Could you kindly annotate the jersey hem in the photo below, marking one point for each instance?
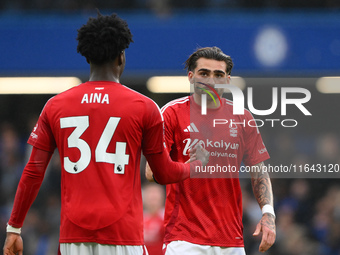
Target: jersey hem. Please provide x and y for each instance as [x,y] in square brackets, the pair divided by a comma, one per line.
[204,243]
[100,241]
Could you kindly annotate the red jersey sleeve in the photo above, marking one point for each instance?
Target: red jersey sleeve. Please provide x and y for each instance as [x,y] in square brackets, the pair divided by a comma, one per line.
[164,169]
[42,136]
[153,129]
[29,185]
[168,128]
[255,150]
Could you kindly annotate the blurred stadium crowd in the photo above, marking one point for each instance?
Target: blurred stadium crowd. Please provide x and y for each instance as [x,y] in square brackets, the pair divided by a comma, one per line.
[308,210]
[161,6]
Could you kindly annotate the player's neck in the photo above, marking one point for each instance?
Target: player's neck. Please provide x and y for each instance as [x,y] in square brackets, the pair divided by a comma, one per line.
[104,73]
[100,77]
[210,103]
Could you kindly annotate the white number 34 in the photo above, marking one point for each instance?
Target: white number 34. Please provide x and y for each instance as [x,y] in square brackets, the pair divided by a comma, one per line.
[120,159]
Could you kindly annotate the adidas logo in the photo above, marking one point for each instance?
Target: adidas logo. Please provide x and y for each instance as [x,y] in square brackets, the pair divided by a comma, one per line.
[191,128]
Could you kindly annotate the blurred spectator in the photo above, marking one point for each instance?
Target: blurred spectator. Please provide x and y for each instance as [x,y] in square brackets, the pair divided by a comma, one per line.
[153,200]
[284,148]
[299,201]
[327,148]
[251,216]
[10,161]
[161,7]
[326,223]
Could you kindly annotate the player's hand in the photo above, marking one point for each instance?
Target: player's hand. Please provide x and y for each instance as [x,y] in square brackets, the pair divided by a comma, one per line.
[199,153]
[267,227]
[148,173]
[13,244]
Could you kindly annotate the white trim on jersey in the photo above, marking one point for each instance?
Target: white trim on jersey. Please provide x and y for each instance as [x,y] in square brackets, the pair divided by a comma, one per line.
[227,101]
[181,100]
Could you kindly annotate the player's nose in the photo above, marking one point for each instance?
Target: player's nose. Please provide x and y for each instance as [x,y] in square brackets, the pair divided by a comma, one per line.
[210,81]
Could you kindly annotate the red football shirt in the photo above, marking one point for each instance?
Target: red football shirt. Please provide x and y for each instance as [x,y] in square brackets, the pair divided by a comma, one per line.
[207,208]
[100,129]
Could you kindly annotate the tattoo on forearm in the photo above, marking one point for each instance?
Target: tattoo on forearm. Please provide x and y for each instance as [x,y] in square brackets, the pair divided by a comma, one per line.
[262,186]
[269,222]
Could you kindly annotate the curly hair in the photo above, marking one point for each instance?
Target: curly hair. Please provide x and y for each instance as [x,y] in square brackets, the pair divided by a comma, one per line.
[102,39]
[209,53]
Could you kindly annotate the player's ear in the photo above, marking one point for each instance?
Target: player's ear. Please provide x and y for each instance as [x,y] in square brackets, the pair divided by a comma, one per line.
[228,79]
[191,77]
[121,58]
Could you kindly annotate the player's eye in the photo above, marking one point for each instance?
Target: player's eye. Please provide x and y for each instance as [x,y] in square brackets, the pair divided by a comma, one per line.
[219,75]
[206,74]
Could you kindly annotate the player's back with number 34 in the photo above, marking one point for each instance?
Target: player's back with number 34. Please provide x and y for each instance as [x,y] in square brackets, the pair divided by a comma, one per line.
[100,128]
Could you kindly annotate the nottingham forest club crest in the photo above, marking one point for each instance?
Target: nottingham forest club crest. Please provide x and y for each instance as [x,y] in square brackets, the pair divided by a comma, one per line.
[233,130]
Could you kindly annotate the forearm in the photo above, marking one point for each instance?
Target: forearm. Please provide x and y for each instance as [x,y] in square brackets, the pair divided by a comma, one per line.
[261,184]
[166,171]
[262,189]
[29,185]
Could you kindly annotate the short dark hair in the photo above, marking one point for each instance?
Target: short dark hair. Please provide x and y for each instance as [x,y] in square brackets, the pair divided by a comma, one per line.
[209,53]
[102,39]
